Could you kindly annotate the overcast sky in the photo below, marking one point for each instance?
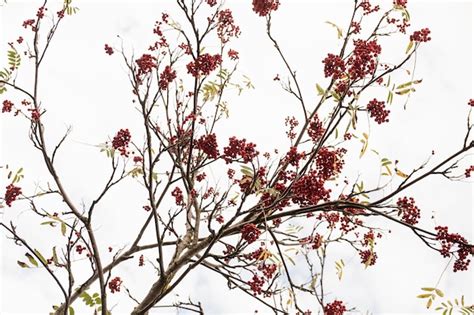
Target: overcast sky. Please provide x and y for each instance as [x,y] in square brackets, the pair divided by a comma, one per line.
[87,89]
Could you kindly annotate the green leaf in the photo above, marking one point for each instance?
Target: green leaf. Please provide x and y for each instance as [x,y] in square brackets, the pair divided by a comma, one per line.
[44,261]
[31,259]
[63,228]
[339,30]
[439,292]
[424,296]
[22,264]
[55,256]
[71,310]
[410,46]
[320,90]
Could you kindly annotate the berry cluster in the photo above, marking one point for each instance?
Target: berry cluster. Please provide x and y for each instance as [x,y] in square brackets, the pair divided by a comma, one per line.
[233,54]
[31,23]
[368,8]
[335,308]
[80,249]
[329,163]
[121,141]
[178,196]
[204,64]
[250,233]
[11,194]
[377,111]
[315,129]
[368,257]
[409,211]
[309,189]
[208,145]
[293,157]
[400,3]
[7,106]
[226,29]
[363,60]
[468,171]
[448,240]
[471,102]
[421,35]
[264,7]
[108,50]
[355,28]
[256,284]
[211,3]
[333,66]
[240,148]
[146,63]
[166,77]
[268,270]
[114,284]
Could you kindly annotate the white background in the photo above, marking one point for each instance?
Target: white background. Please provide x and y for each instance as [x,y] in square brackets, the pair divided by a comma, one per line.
[83,87]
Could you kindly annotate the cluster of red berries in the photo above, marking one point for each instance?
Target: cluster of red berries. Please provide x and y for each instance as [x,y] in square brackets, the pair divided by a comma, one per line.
[166,77]
[335,308]
[309,189]
[368,257]
[401,3]
[204,64]
[409,211]
[448,240]
[208,145]
[233,54]
[226,29]
[292,123]
[317,241]
[329,163]
[421,35]
[7,106]
[80,249]
[250,233]
[178,196]
[363,60]
[146,63]
[31,23]
[334,66]
[40,12]
[268,270]
[121,141]
[264,7]
[211,3]
[114,284]
[108,50]
[377,111]
[368,8]
[469,170]
[256,284]
[240,148]
[11,193]
[471,102]
[355,28]
[293,157]
[315,129]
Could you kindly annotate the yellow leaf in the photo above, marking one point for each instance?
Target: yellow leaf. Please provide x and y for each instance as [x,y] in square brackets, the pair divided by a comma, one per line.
[424,296]
[428,304]
[439,292]
[401,174]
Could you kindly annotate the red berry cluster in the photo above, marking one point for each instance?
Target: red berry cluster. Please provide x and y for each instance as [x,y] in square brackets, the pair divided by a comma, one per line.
[317,241]
[256,284]
[448,240]
[166,77]
[114,284]
[7,106]
[108,50]
[469,170]
[367,7]
[335,308]
[211,3]
[208,145]
[292,123]
[421,35]
[363,60]
[409,211]
[178,196]
[333,66]
[250,233]
[80,249]
[226,29]
[233,54]
[355,27]
[40,12]
[309,189]
[315,129]
[377,111]
[264,7]
[146,63]
[11,194]
[329,163]
[204,64]
[268,270]
[471,102]
[293,157]
[401,3]
[121,141]
[137,159]
[29,22]
[240,148]
[368,257]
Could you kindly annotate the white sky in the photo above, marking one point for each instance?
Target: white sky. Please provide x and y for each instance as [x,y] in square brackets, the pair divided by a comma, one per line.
[85,88]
